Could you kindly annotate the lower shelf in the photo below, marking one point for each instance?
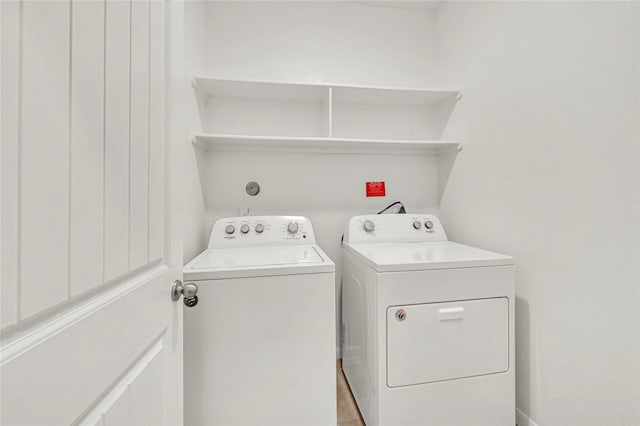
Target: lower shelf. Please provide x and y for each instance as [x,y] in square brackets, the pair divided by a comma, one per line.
[322,144]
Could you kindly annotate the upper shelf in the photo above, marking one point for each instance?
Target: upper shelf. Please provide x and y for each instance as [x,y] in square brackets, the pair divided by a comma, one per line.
[245,143]
[323,116]
[259,90]
[372,95]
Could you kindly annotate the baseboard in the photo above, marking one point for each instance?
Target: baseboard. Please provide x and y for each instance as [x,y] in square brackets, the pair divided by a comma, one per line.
[523,420]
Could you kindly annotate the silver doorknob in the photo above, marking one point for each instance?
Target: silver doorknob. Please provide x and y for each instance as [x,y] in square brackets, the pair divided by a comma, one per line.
[188,290]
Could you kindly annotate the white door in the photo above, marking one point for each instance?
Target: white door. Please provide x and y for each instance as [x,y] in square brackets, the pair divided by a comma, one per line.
[91,239]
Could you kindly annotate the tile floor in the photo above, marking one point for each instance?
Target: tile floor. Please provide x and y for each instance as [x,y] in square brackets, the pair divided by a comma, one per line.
[348,414]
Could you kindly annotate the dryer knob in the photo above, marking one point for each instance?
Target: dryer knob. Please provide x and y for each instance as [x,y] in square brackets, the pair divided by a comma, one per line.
[417,224]
[368,226]
[292,228]
[428,224]
[244,228]
[259,228]
[230,229]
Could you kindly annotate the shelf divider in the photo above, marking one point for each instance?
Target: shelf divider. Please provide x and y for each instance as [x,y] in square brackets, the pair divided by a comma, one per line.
[329,111]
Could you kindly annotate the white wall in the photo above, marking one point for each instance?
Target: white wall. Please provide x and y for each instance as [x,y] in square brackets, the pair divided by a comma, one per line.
[549,174]
[336,42]
[195,58]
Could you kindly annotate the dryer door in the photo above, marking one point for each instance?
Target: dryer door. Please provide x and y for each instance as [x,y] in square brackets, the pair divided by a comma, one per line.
[444,341]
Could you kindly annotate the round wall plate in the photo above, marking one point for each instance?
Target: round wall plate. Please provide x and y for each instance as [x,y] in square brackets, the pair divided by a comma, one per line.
[253,188]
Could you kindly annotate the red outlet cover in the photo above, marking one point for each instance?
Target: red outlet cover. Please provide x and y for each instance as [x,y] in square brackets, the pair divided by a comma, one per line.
[375,189]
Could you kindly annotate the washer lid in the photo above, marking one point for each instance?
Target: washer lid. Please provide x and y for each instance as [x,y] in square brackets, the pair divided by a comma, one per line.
[393,257]
[257,261]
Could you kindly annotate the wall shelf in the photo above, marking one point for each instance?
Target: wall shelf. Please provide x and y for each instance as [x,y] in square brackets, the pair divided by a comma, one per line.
[319,117]
[369,122]
[246,143]
[263,89]
[267,90]
[318,110]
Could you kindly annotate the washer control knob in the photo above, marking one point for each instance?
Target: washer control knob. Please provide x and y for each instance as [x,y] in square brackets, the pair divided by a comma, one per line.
[428,224]
[259,228]
[368,226]
[230,229]
[417,224]
[292,227]
[244,228]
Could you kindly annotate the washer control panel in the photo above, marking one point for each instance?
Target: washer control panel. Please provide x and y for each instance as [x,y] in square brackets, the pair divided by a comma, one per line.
[247,231]
[394,228]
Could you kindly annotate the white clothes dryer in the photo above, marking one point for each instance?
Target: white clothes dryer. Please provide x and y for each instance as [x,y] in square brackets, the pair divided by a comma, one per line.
[428,325]
[259,347]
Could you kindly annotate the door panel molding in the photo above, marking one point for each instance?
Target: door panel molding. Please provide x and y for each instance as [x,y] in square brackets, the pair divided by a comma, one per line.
[24,340]
[84,163]
[10,41]
[102,338]
[107,403]
[44,156]
[86,147]
[139,136]
[116,138]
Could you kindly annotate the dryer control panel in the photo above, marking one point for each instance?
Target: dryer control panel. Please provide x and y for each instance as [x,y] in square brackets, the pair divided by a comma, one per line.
[394,228]
[256,231]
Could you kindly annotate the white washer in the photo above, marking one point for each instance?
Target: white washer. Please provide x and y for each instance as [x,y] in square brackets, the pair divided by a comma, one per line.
[428,325]
[260,344]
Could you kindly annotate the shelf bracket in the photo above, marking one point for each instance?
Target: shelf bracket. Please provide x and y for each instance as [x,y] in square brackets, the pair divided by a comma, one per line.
[459,96]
